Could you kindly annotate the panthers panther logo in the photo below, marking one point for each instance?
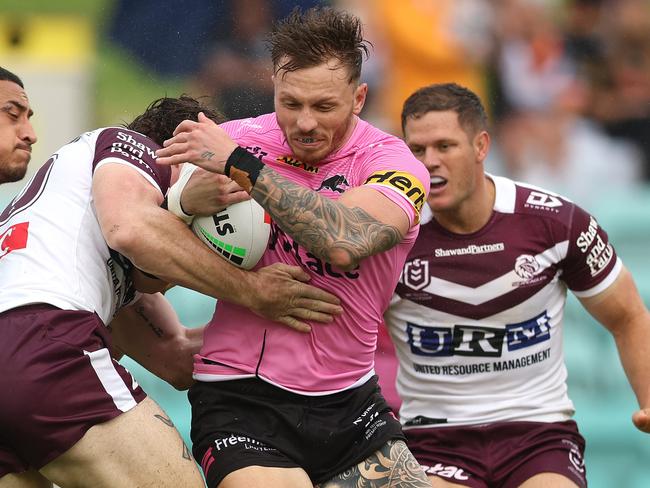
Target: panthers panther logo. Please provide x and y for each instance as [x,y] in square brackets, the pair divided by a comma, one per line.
[334,183]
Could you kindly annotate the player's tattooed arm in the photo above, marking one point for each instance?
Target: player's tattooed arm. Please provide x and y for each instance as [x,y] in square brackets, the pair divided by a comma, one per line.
[140,310]
[391,466]
[321,225]
[150,332]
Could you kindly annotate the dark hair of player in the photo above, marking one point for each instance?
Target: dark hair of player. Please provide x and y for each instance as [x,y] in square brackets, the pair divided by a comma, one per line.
[309,38]
[447,97]
[6,75]
[161,117]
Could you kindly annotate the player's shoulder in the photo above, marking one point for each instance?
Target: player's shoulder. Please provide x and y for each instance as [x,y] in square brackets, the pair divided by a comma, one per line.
[519,198]
[117,135]
[83,144]
[375,148]
[88,137]
[367,137]
[126,146]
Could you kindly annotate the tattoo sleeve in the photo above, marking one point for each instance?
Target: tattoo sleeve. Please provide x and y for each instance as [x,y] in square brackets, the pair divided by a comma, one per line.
[392,466]
[322,226]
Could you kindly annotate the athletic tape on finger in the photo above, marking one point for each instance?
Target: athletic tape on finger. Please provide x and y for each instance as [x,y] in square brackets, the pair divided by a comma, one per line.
[174,193]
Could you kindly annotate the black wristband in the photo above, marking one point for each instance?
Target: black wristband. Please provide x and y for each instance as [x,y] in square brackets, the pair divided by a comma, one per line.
[242,164]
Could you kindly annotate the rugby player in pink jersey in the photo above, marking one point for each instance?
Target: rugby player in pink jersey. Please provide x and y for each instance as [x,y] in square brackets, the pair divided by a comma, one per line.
[477,315]
[78,245]
[278,409]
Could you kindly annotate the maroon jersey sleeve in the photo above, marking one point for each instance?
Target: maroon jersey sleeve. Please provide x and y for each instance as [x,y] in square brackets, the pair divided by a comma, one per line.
[135,149]
[590,256]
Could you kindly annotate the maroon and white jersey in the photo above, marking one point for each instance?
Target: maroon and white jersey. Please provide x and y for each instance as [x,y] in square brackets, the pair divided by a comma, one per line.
[51,246]
[477,319]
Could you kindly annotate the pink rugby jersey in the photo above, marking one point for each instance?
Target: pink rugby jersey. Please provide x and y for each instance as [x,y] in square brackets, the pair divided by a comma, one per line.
[338,355]
[477,319]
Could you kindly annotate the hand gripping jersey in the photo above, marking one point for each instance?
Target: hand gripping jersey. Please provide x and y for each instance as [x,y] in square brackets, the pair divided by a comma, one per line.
[477,319]
[51,246]
[338,355]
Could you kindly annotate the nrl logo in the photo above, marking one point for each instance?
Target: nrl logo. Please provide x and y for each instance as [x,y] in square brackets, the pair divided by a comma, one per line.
[416,274]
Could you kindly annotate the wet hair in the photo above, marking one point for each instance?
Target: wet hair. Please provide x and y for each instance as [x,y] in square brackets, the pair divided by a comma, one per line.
[161,117]
[309,38]
[447,97]
[6,75]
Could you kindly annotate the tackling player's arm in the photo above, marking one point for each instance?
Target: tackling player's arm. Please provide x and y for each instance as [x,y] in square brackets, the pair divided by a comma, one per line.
[133,224]
[150,332]
[361,223]
[622,311]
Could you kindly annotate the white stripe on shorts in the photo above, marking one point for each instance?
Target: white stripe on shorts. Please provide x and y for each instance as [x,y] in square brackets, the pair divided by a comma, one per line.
[113,383]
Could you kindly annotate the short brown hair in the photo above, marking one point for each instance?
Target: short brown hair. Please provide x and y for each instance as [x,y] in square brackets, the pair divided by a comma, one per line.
[161,117]
[443,97]
[316,35]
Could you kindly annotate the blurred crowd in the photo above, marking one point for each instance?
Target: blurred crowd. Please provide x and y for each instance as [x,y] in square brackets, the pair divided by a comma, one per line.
[567,81]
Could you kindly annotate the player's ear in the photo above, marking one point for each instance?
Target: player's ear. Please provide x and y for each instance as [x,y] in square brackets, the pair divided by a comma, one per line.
[482,145]
[360,93]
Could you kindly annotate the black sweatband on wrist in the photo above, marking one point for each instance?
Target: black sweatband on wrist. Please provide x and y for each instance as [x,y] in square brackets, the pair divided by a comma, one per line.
[243,167]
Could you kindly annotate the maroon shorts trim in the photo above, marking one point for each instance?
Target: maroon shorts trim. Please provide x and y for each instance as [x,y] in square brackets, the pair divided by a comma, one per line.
[502,454]
[57,381]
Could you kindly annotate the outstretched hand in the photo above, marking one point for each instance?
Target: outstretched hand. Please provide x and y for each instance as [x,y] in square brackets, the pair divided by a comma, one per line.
[283,295]
[641,419]
[203,143]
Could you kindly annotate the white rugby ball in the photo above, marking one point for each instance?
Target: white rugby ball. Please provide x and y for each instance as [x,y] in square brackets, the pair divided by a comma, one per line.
[239,233]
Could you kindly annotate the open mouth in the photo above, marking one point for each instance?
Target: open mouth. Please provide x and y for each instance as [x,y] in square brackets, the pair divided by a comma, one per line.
[437,182]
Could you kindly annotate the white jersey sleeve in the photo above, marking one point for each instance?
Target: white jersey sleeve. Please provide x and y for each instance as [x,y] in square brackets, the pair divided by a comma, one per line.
[51,246]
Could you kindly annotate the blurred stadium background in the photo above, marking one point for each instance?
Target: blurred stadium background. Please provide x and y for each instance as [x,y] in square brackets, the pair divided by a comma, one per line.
[567,83]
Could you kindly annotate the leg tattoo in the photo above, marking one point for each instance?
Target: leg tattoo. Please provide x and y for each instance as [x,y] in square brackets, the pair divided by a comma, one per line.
[168,422]
[392,466]
[186,452]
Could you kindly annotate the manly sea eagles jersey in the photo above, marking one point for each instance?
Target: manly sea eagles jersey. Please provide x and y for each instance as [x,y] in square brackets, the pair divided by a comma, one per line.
[477,319]
[51,246]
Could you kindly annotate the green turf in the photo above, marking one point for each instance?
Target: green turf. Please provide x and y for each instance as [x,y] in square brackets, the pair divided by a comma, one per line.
[95,9]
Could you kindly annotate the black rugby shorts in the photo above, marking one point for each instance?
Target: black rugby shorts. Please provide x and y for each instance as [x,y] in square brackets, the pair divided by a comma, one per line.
[250,422]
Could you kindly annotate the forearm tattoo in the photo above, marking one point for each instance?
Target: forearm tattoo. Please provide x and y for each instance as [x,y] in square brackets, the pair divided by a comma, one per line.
[392,466]
[156,330]
[319,224]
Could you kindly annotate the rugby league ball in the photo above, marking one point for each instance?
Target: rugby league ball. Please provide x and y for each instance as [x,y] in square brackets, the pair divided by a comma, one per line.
[239,233]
